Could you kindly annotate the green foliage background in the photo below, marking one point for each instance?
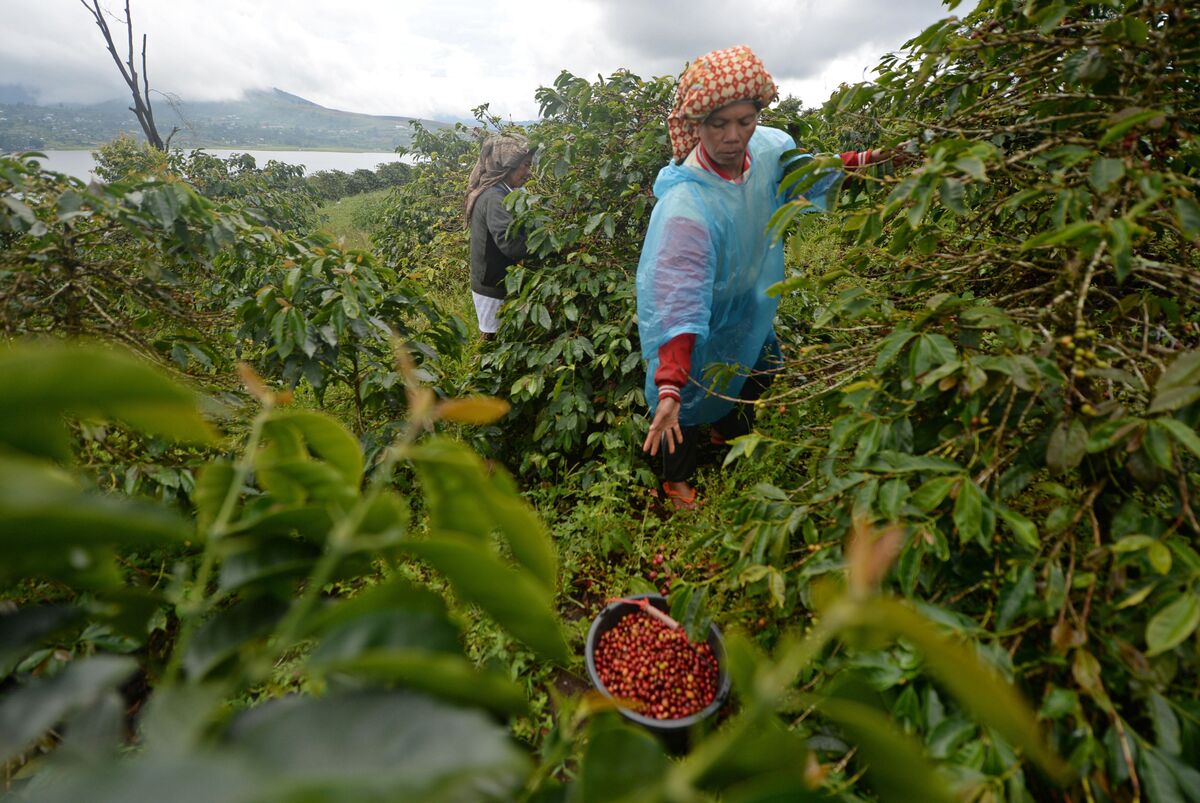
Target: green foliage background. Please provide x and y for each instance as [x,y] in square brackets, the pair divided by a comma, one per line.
[959,553]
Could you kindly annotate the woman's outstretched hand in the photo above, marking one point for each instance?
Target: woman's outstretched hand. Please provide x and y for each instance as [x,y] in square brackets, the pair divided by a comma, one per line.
[665,424]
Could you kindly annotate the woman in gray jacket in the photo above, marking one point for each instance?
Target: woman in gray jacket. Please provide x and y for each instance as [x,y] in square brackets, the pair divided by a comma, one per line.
[503,166]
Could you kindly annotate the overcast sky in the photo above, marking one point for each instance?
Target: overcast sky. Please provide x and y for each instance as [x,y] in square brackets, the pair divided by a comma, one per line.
[440,58]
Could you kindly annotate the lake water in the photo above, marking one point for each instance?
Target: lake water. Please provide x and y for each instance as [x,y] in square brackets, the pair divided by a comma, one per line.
[81,164]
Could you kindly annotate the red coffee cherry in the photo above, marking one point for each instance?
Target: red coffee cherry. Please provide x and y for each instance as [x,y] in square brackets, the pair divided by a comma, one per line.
[655,666]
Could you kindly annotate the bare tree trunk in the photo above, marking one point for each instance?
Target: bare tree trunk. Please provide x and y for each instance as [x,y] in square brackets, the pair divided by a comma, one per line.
[141,107]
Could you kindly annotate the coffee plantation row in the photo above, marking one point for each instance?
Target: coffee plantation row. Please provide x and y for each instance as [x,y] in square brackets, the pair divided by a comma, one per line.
[276,527]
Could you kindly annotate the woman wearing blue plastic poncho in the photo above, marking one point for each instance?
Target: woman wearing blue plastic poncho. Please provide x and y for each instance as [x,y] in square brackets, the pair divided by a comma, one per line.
[708,260]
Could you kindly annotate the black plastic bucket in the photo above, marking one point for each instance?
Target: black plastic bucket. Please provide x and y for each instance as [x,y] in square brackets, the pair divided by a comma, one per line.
[674,732]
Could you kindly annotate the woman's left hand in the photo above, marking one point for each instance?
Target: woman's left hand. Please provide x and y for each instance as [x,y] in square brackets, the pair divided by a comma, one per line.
[665,425]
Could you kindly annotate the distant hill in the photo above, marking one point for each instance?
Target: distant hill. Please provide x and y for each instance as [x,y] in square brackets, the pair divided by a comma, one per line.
[260,119]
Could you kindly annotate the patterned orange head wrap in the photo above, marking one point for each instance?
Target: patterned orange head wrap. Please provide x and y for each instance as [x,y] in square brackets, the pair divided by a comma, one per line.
[711,82]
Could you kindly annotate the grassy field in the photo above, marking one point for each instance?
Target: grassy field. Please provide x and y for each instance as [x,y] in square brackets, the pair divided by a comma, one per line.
[350,218]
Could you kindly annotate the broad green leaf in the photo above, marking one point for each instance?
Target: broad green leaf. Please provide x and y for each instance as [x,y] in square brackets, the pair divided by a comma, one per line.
[1179,385]
[1067,446]
[373,745]
[1166,724]
[931,492]
[973,167]
[40,383]
[891,346]
[24,629]
[462,498]
[212,487]
[177,716]
[28,712]
[895,763]
[1105,172]
[1060,236]
[953,195]
[1132,543]
[1188,212]
[1022,527]
[753,744]
[227,632]
[325,438]
[1124,121]
[987,697]
[1014,597]
[1181,432]
[619,761]
[513,598]
[443,675]
[1173,624]
[1159,557]
[781,787]
[261,560]
[968,512]
[49,529]
[1157,779]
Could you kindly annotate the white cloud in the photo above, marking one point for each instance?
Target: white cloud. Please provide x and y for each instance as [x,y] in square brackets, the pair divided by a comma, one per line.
[436,58]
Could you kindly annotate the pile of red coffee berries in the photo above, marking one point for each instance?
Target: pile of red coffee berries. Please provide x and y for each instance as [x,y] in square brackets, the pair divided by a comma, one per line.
[645,660]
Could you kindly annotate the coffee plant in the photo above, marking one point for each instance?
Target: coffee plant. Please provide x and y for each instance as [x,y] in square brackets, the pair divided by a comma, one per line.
[1007,359]
[373,697]
[567,353]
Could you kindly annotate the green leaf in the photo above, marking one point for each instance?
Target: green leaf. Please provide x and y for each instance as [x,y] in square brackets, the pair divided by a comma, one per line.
[973,167]
[260,561]
[968,512]
[224,635]
[1157,778]
[26,713]
[1173,624]
[753,744]
[1106,172]
[895,763]
[1166,724]
[1059,236]
[891,346]
[463,498]
[1132,543]
[448,677]
[1121,122]
[931,493]
[212,487]
[68,535]
[1179,385]
[620,761]
[1048,18]
[1160,557]
[987,697]
[326,439]
[39,384]
[1022,527]
[24,629]
[1067,446]
[374,745]
[1181,432]
[1188,212]
[518,603]
[953,195]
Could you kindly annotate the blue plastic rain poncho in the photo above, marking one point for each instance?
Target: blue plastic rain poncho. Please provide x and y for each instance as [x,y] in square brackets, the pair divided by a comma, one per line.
[706,264]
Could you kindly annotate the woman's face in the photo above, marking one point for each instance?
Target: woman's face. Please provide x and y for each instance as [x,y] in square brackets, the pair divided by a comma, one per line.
[726,132]
[520,174]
